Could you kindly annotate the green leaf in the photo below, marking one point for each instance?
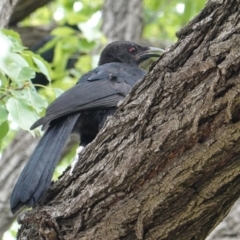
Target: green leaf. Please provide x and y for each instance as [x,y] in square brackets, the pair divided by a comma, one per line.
[21,112]
[17,45]
[76,18]
[26,73]
[42,67]
[3,114]
[86,45]
[37,102]
[16,67]
[17,59]
[59,60]
[4,79]
[48,45]
[32,98]
[63,31]
[37,63]
[14,37]
[11,33]
[23,94]
[3,129]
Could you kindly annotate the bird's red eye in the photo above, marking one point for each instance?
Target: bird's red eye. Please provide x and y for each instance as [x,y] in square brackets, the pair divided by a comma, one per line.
[132,50]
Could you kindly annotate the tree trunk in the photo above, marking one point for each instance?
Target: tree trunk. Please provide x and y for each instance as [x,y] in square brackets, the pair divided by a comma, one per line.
[167,164]
[123,20]
[229,228]
[18,152]
[6,9]
[10,167]
[14,11]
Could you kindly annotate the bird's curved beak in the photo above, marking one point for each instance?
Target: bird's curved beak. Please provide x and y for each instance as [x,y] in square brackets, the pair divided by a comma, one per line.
[147,53]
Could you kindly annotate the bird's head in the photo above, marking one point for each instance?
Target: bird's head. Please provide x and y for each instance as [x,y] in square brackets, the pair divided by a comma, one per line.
[127,52]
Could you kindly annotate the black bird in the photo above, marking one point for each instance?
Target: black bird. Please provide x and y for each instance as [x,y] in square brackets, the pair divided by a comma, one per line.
[82,109]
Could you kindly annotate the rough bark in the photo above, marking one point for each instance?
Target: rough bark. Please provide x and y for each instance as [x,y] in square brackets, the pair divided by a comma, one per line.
[229,228]
[18,157]
[167,164]
[123,20]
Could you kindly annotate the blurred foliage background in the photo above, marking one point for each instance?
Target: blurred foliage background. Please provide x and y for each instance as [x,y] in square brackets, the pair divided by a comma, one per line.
[73,49]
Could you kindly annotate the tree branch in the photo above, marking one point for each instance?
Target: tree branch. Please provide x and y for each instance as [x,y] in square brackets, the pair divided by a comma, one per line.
[6,9]
[17,159]
[123,20]
[167,164]
[229,228]
[10,164]
[24,8]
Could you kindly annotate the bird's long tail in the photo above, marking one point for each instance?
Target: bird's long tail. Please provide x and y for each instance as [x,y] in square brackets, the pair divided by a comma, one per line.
[36,176]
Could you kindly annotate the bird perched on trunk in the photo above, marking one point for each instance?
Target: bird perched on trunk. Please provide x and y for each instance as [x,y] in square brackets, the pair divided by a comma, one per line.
[82,109]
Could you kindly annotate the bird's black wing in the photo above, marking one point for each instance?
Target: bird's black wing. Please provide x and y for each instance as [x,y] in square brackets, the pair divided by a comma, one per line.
[36,176]
[101,88]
